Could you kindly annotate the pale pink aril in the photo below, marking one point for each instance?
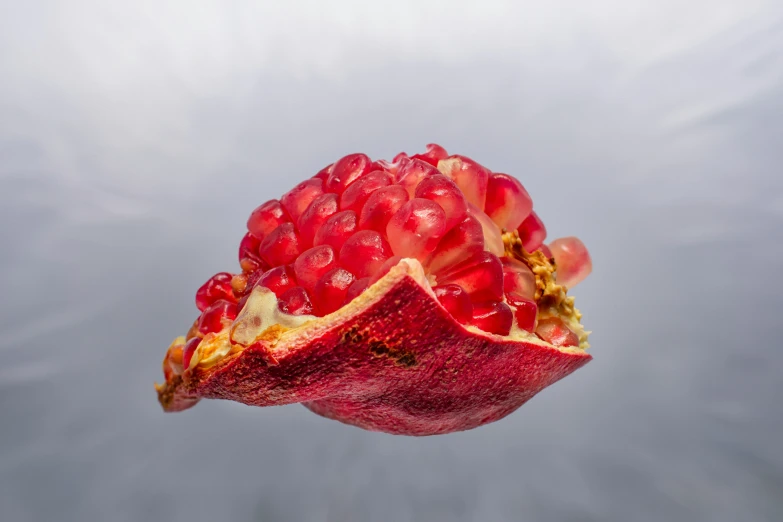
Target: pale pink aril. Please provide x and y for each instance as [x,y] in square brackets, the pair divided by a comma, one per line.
[554,331]
[493,238]
[469,176]
[572,261]
[508,203]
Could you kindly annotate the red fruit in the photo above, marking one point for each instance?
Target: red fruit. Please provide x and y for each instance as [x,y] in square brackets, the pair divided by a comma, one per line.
[508,203]
[397,359]
[546,251]
[217,287]
[493,317]
[532,232]
[456,301]
[554,331]
[572,260]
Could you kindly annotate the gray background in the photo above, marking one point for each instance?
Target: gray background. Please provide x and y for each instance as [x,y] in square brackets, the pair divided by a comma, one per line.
[136,137]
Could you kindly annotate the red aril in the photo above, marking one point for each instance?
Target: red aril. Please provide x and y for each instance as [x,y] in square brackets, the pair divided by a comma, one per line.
[267,217]
[217,287]
[462,242]
[416,228]
[356,289]
[357,194]
[336,230]
[347,170]
[381,206]
[412,173]
[295,301]
[493,238]
[312,219]
[518,279]
[526,311]
[248,253]
[470,177]
[532,232]
[554,331]
[572,261]
[279,279]
[282,246]
[447,195]
[456,301]
[434,154]
[324,172]
[313,264]
[364,252]
[493,317]
[299,198]
[217,316]
[330,291]
[508,203]
[188,350]
[480,276]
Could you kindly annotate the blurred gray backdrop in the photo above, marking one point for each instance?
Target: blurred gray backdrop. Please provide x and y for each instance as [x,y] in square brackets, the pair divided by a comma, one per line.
[136,137]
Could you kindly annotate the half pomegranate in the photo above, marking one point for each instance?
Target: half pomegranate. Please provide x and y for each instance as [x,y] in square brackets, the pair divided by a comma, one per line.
[413,296]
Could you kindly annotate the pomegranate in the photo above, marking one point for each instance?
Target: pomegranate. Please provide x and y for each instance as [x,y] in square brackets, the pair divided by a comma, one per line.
[414,296]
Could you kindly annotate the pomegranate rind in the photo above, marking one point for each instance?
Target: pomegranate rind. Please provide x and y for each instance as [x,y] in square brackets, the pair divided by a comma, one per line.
[371,364]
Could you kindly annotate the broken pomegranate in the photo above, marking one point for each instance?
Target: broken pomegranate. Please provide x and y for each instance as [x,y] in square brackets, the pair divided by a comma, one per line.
[414,296]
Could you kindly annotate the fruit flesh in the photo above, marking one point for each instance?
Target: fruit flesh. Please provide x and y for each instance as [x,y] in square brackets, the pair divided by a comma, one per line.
[331,240]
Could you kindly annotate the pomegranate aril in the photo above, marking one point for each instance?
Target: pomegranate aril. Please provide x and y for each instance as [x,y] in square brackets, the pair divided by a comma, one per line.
[217,316]
[460,243]
[526,311]
[493,238]
[456,301]
[469,176]
[444,192]
[295,301]
[282,246]
[381,206]
[312,264]
[364,253]
[312,219]
[412,173]
[188,350]
[356,195]
[279,279]
[251,280]
[572,261]
[336,230]
[508,203]
[493,317]
[434,154]
[546,251]
[323,173]
[217,287]
[330,291]
[356,288]
[416,228]
[296,200]
[249,259]
[385,268]
[481,277]
[347,170]
[532,232]
[518,279]
[267,217]
[554,331]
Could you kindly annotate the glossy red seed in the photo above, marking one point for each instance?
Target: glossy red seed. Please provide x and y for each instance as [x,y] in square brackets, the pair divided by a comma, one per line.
[188,350]
[526,311]
[267,217]
[480,276]
[356,288]
[434,154]
[249,259]
[323,173]
[381,206]
[217,287]
[217,316]
[532,232]
[252,280]
[282,246]
[347,170]
[385,267]
[312,219]
[508,203]
[337,229]
[296,200]
[572,261]
[416,228]
[412,172]
[331,290]
[364,253]
[357,194]
[470,177]
[518,279]
[456,301]
[444,192]
[312,264]
[493,317]
[554,331]
[279,279]
[493,238]
[460,243]
[295,301]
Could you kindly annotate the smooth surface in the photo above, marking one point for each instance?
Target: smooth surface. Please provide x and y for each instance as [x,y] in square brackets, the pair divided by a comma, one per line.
[136,139]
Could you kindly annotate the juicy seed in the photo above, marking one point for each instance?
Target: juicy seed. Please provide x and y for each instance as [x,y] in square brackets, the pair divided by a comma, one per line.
[336,230]
[217,316]
[266,218]
[217,287]
[456,301]
[532,232]
[249,259]
[323,173]
[356,288]
[416,228]
[296,200]
[480,276]
[346,170]
[188,350]
[434,154]
[279,279]
[545,249]
[312,219]
[554,331]
[469,176]
[412,173]
[460,243]
[381,206]
[493,238]
[444,192]
[493,317]
[330,291]
[356,195]
[282,246]
[385,268]
[572,261]
[295,301]
[518,280]
[526,312]
[313,264]
[364,253]
[508,203]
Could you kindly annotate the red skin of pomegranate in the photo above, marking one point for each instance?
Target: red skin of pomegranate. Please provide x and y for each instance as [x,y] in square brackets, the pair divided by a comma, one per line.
[372,365]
